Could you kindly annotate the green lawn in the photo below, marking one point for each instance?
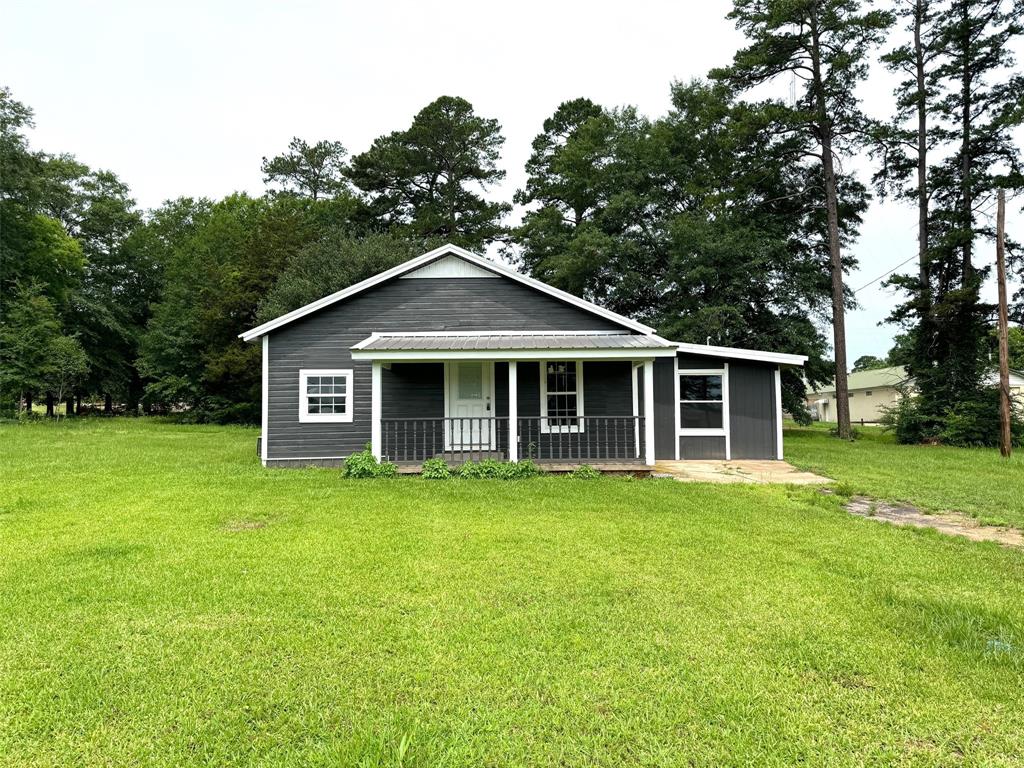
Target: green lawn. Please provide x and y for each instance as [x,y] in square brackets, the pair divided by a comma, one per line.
[164,600]
[977,481]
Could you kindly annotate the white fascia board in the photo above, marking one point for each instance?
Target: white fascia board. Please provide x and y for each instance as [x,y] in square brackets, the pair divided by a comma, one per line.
[438,334]
[426,258]
[737,353]
[436,355]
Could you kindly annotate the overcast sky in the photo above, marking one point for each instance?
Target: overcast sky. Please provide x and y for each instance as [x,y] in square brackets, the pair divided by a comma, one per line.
[185,98]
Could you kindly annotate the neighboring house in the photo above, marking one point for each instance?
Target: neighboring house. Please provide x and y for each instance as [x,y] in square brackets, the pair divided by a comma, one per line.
[872,391]
[453,355]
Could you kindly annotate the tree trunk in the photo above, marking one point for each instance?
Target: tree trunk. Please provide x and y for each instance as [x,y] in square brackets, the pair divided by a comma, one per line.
[922,161]
[78,405]
[824,129]
[966,201]
[28,402]
[69,406]
[49,404]
[108,404]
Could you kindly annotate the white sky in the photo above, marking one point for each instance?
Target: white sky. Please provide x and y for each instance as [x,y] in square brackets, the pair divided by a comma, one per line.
[185,98]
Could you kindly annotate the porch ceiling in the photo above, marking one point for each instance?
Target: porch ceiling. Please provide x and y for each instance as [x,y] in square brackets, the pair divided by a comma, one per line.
[510,345]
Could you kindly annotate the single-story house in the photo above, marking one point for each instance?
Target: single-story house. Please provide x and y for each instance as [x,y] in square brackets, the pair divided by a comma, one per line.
[451,354]
[872,391]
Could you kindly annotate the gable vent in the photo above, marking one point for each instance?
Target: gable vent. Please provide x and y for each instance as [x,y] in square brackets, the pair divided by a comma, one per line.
[449,266]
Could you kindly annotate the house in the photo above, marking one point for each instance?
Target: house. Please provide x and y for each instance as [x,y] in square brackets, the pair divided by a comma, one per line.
[872,391]
[453,355]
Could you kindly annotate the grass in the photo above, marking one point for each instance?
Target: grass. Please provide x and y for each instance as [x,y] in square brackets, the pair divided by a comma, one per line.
[166,601]
[976,481]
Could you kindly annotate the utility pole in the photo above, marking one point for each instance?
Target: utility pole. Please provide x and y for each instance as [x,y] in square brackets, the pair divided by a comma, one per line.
[1005,438]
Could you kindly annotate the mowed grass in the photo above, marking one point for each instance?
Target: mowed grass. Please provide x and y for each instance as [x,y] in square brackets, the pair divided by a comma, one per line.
[164,600]
[976,481]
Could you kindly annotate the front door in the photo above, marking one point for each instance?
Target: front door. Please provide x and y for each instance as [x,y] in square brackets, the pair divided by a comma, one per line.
[470,404]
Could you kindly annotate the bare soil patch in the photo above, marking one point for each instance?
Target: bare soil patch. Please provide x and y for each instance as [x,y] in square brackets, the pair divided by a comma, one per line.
[952,523]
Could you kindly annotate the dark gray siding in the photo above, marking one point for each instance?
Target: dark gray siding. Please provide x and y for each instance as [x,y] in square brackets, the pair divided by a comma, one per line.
[702,447]
[752,416]
[323,339]
[664,408]
[752,410]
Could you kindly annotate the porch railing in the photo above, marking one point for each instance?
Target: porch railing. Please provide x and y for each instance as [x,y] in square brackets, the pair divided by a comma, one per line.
[582,438]
[459,439]
[456,438]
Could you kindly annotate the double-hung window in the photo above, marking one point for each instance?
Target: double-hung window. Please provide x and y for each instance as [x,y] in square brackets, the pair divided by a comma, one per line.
[561,396]
[325,395]
[702,402]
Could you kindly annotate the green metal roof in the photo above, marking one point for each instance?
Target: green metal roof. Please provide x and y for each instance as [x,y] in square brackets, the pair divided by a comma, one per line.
[873,379]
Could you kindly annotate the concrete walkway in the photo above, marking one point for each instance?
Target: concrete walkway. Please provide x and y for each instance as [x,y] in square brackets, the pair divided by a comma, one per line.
[738,471]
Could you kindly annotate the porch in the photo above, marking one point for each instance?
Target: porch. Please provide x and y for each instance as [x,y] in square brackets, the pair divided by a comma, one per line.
[557,399]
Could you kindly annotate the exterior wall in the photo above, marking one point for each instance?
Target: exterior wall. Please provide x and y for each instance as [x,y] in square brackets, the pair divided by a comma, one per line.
[323,340]
[862,405]
[753,421]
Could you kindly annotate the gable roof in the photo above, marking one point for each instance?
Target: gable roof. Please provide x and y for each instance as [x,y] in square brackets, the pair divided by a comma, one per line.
[872,378]
[421,261]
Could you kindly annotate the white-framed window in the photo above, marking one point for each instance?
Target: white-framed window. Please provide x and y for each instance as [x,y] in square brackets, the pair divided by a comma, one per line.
[325,394]
[702,402]
[561,396]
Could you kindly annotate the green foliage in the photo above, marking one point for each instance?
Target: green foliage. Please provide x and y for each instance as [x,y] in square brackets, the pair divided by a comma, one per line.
[974,423]
[869,363]
[364,464]
[908,422]
[585,472]
[28,328]
[334,260]
[66,366]
[424,181]
[436,469]
[491,469]
[313,171]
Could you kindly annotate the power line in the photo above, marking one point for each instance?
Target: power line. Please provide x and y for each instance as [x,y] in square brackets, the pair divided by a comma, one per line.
[885,274]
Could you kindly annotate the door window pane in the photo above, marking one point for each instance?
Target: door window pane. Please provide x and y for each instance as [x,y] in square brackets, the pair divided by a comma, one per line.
[471,381]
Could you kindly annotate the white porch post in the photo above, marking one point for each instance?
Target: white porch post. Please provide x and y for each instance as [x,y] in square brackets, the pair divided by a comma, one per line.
[513,411]
[375,410]
[649,412]
[634,365]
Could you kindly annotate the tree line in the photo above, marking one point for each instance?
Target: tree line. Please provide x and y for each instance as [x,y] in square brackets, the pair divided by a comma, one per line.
[729,219]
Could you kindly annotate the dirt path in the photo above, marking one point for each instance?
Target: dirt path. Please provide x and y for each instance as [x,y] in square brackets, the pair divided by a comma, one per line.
[951,523]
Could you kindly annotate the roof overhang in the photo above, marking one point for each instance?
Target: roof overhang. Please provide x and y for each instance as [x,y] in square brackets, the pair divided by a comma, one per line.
[426,258]
[511,345]
[738,353]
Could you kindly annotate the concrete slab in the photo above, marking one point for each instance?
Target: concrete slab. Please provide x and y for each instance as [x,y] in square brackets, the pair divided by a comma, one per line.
[738,471]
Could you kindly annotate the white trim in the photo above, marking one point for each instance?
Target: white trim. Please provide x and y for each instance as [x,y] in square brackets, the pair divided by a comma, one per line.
[546,428]
[725,413]
[675,389]
[265,400]
[426,258]
[636,408]
[513,411]
[376,444]
[436,355]
[305,417]
[778,414]
[649,412]
[443,334]
[737,353]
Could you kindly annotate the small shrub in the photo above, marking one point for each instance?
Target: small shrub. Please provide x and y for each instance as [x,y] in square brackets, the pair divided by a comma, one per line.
[436,469]
[518,470]
[490,469]
[584,472]
[908,422]
[976,422]
[364,464]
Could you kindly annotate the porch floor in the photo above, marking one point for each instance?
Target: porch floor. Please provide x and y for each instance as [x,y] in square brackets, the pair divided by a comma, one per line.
[556,466]
[737,471]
